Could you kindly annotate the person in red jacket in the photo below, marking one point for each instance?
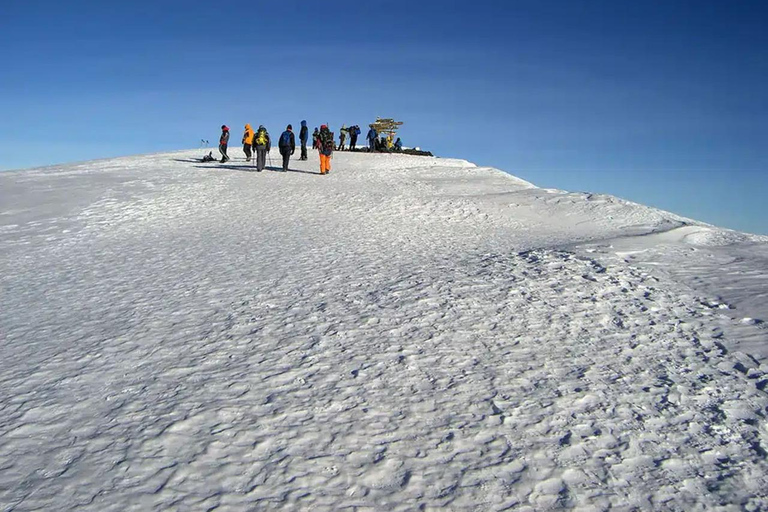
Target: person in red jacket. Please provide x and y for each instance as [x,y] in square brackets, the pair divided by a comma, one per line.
[223,141]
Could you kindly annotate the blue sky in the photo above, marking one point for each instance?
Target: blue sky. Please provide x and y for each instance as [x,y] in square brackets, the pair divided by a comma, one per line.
[662,102]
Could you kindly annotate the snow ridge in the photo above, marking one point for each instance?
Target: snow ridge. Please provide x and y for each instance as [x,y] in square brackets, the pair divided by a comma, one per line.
[405,333]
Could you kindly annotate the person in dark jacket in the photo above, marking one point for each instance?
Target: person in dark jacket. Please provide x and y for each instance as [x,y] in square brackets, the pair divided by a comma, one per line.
[314,138]
[398,145]
[325,146]
[371,138]
[303,137]
[261,146]
[287,145]
[223,142]
[353,133]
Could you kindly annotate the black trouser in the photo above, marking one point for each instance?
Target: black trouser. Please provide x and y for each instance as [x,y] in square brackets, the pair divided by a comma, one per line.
[286,152]
[247,149]
[352,142]
[303,150]
[223,151]
[261,157]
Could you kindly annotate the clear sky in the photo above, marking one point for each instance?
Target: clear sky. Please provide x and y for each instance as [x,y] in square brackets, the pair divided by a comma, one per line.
[663,102]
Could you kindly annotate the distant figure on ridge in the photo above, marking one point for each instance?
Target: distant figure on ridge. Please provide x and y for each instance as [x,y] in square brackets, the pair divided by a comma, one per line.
[261,145]
[383,144]
[223,141]
[303,137]
[247,141]
[354,131]
[398,145]
[342,136]
[314,138]
[371,138]
[287,145]
[325,147]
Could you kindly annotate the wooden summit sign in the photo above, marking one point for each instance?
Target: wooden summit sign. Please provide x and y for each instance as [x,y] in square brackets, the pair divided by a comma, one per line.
[387,126]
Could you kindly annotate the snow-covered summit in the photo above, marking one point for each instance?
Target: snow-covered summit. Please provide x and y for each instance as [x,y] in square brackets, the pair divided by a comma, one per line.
[404,333]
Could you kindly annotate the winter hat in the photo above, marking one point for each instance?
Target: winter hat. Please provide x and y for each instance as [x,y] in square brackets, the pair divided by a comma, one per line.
[289,127]
[323,126]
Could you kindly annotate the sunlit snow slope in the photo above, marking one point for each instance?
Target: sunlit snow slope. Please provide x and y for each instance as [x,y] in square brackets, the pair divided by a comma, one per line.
[406,333]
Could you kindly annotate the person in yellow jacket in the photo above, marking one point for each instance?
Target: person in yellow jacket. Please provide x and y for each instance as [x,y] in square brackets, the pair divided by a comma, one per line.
[247,141]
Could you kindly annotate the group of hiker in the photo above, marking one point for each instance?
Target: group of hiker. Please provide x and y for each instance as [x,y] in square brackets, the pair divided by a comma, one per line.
[256,144]
[353,132]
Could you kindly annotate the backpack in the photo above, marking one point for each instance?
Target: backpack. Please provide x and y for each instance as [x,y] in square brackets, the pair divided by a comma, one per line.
[326,140]
[285,138]
[261,138]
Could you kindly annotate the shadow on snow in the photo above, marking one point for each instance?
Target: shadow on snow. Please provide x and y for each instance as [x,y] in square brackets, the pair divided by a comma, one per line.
[247,168]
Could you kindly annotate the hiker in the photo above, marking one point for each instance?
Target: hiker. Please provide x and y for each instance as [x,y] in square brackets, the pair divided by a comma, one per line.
[208,157]
[342,136]
[371,137]
[287,145]
[325,147]
[314,138]
[261,146]
[223,141]
[398,145]
[382,144]
[354,131]
[247,141]
[303,136]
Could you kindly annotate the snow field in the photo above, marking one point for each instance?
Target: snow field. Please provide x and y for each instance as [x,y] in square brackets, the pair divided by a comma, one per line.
[405,333]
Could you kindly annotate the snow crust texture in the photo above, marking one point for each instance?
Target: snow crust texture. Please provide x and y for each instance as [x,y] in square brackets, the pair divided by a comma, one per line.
[406,333]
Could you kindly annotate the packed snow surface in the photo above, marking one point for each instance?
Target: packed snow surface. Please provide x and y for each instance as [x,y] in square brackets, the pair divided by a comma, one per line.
[406,333]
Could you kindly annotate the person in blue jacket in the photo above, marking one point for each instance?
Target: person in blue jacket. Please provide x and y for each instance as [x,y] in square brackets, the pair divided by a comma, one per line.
[353,133]
[371,138]
[287,145]
[303,137]
[398,145]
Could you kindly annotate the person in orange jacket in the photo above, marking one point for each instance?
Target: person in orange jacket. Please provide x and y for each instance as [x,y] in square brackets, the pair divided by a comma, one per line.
[247,141]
